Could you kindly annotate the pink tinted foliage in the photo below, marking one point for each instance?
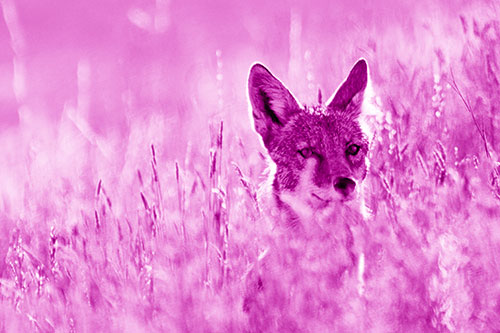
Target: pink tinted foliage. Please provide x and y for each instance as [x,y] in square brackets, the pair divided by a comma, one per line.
[129,169]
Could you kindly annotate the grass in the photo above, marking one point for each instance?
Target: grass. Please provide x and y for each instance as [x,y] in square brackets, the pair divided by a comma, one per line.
[103,235]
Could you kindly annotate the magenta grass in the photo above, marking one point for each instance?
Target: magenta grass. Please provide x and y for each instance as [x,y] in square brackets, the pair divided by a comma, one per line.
[130,170]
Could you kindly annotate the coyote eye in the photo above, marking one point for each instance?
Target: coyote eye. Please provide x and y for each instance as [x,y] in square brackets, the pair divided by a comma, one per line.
[306,152]
[352,149]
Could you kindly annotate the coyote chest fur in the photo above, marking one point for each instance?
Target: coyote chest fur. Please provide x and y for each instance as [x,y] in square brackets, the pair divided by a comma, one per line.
[319,152]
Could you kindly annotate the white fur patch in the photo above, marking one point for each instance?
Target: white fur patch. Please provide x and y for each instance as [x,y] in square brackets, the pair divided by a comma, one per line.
[309,201]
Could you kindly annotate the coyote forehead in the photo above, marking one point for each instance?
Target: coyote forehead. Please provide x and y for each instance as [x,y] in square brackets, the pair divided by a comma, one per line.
[319,151]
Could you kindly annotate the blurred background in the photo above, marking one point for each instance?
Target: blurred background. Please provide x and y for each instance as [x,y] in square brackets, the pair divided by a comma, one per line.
[189,60]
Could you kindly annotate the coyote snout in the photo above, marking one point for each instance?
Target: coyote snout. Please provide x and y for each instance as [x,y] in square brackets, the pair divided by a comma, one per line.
[319,151]
[345,186]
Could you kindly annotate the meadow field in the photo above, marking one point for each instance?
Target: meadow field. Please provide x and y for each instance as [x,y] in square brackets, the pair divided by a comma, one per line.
[129,168]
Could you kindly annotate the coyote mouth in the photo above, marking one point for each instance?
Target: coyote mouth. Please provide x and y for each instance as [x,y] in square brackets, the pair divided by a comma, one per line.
[324,202]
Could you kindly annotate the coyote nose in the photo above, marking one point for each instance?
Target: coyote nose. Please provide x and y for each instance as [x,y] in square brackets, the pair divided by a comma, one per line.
[344,186]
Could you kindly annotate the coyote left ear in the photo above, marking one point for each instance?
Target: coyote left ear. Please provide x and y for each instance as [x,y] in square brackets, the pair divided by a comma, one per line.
[349,95]
[272,103]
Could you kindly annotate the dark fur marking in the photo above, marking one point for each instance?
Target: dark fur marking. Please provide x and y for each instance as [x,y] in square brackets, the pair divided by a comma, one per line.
[267,107]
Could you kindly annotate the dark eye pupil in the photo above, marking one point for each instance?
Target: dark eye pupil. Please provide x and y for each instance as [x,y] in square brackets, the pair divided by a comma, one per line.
[306,152]
[353,149]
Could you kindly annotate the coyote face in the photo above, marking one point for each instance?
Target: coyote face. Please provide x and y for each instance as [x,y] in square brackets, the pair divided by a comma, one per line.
[319,151]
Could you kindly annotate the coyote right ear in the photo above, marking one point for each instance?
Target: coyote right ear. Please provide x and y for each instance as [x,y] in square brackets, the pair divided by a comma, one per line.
[349,95]
[272,103]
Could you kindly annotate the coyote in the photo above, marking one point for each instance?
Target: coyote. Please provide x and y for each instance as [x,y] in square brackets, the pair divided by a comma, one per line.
[318,153]
[310,273]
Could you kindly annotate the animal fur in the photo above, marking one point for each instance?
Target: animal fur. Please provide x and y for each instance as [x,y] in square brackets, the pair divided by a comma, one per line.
[313,263]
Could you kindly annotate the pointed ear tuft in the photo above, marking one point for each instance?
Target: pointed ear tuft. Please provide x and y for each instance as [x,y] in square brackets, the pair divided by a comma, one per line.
[349,95]
[272,104]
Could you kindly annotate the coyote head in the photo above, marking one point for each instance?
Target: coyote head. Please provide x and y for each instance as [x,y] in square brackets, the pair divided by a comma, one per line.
[319,151]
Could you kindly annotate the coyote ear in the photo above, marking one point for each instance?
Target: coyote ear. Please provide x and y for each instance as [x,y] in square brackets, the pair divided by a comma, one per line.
[349,95]
[272,103]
